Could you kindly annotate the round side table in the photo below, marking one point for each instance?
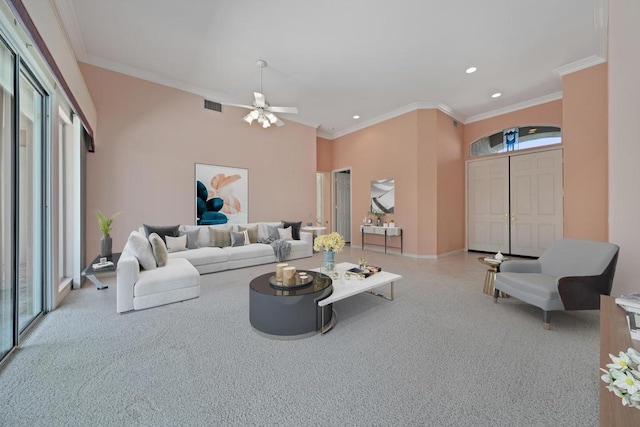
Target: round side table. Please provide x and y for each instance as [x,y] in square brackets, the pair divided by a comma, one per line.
[490,277]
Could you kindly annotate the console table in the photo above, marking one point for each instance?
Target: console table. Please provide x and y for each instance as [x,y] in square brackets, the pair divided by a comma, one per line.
[614,338]
[386,231]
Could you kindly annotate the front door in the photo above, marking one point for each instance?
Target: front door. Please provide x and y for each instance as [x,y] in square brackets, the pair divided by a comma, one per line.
[536,202]
[488,201]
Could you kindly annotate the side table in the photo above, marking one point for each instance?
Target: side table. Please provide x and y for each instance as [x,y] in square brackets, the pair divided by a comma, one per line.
[315,231]
[490,277]
[93,273]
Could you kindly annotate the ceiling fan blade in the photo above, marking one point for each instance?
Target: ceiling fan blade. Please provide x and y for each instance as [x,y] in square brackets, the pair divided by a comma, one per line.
[286,110]
[260,99]
[250,107]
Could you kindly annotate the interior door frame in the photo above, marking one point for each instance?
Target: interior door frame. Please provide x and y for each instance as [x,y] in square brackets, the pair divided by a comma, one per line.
[495,156]
[334,195]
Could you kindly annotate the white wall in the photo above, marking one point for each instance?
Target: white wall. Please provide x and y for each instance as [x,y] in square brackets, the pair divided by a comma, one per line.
[624,141]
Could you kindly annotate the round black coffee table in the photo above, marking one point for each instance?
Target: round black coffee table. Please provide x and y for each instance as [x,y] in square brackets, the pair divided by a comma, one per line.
[288,312]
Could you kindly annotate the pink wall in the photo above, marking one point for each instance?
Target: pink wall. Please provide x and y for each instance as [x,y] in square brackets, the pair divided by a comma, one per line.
[585,142]
[426,195]
[384,150]
[150,136]
[451,184]
[324,155]
[422,151]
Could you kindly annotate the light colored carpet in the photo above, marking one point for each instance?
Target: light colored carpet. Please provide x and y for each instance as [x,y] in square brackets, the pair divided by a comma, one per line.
[441,354]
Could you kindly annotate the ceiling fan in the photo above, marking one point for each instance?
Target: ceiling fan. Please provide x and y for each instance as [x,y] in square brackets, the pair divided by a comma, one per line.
[262,112]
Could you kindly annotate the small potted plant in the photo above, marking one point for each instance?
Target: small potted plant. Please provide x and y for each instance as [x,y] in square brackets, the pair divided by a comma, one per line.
[379,215]
[105,223]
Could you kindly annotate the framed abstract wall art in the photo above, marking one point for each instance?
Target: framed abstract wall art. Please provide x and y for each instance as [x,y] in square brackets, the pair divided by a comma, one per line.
[221,191]
[383,195]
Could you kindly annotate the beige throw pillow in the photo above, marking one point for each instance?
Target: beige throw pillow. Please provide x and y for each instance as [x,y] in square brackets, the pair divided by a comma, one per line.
[252,231]
[159,249]
[285,233]
[220,237]
[141,249]
[176,244]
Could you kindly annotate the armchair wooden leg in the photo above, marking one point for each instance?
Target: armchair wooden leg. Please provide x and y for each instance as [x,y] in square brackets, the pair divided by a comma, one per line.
[546,317]
[495,295]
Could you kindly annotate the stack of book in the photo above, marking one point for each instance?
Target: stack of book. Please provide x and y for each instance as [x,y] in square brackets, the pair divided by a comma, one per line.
[631,304]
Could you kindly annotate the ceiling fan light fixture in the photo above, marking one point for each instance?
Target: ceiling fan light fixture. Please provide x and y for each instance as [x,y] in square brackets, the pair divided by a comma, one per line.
[248,118]
[266,124]
[272,117]
[255,114]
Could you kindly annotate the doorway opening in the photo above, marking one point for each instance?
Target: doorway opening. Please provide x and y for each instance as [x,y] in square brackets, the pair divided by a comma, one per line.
[342,203]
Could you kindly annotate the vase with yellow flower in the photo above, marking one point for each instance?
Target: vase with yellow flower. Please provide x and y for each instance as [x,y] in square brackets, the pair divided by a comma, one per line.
[329,244]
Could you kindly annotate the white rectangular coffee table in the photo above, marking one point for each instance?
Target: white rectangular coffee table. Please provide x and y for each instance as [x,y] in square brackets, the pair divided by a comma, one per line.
[345,288]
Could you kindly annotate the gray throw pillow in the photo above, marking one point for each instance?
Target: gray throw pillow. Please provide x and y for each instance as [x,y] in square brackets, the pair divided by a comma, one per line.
[193,237]
[272,232]
[159,249]
[237,238]
[141,249]
[161,230]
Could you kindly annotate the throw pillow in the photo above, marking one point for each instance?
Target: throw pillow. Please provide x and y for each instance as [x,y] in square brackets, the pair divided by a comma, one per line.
[161,230]
[159,249]
[220,237]
[237,238]
[285,233]
[272,232]
[253,232]
[193,237]
[246,237]
[176,244]
[295,228]
[141,249]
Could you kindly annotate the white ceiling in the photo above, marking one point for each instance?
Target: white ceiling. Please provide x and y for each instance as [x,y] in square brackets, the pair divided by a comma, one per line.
[334,58]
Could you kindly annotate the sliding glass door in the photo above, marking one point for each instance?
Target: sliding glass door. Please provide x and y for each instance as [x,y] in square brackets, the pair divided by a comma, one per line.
[22,199]
[7,297]
[30,215]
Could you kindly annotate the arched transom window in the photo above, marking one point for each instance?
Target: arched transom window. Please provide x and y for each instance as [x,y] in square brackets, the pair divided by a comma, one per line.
[519,138]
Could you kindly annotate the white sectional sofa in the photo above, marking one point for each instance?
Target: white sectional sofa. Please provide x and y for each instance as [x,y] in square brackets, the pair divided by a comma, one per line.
[138,288]
[207,259]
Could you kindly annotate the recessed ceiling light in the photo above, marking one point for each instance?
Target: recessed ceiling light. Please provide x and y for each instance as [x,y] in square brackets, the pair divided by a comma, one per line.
[356,117]
[496,95]
[471,70]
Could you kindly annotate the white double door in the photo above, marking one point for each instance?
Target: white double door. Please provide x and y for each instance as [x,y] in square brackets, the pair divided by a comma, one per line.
[515,203]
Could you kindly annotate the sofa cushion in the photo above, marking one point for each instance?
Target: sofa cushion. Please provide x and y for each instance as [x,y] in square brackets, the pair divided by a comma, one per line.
[176,244]
[252,230]
[237,238]
[141,249]
[263,229]
[253,250]
[532,287]
[202,232]
[161,230]
[285,233]
[159,249]
[220,237]
[295,228]
[202,256]
[177,274]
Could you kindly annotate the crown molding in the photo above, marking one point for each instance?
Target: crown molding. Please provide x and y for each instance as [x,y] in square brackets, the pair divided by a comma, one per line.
[422,105]
[69,22]
[515,107]
[578,65]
